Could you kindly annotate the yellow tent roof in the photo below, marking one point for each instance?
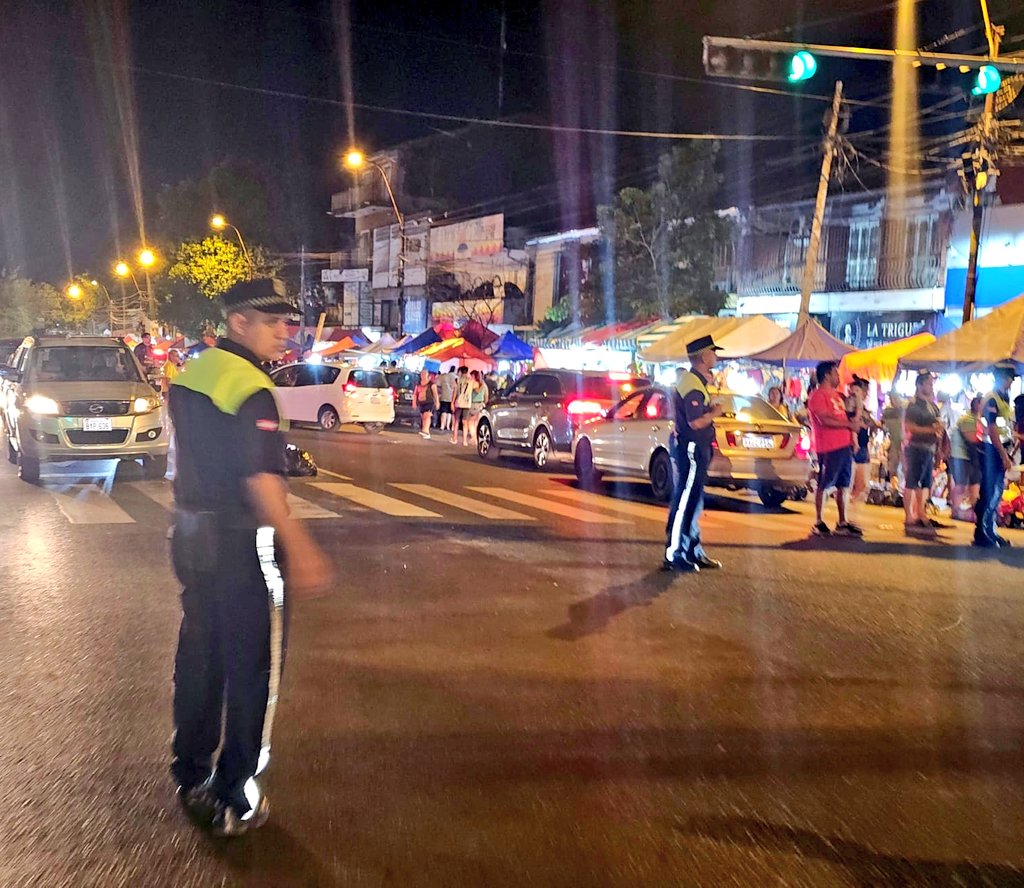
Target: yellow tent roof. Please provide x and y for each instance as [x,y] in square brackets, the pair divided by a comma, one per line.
[673,346]
[881,363]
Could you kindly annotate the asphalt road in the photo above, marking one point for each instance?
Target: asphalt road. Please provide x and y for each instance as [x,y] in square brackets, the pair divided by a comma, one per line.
[502,689]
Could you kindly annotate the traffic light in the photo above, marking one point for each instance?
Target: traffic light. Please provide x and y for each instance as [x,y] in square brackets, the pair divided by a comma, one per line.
[722,60]
[988,81]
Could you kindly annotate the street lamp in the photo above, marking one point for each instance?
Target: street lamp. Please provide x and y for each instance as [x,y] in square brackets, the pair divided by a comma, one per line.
[355,160]
[219,223]
[123,270]
[74,291]
[147,258]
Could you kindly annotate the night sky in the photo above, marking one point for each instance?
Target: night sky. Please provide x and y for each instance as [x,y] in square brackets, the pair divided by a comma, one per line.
[66,97]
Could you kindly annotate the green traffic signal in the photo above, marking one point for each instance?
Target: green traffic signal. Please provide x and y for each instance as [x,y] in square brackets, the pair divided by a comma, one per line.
[802,66]
[988,81]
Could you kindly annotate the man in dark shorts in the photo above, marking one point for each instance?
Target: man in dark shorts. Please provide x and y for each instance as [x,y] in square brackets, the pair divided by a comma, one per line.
[922,428]
[964,465]
[833,442]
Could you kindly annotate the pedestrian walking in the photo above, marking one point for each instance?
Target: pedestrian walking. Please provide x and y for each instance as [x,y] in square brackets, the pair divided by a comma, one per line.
[480,393]
[445,392]
[922,431]
[690,451]
[993,451]
[426,400]
[231,519]
[833,432]
[964,463]
[462,400]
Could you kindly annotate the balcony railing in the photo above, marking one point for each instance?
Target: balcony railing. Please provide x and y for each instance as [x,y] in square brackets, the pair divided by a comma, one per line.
[841,275]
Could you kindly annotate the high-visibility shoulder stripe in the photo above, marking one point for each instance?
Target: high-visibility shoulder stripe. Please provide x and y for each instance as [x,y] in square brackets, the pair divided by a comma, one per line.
[227,379]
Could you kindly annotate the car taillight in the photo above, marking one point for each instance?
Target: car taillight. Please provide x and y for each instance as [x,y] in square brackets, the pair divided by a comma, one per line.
[784,443]
[730,439]
[583,408]
[652,411]
[350,388]
[393,393]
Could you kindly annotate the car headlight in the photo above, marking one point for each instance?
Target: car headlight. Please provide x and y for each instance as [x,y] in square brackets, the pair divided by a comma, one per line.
[145,405]
[41,405]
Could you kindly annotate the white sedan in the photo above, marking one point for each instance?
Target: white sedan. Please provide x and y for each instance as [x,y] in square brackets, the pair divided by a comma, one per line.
[755,446]
[332,394]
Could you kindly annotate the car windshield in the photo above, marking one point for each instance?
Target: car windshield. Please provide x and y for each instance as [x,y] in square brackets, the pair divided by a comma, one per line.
[402,379]
[748,409]
[83,363]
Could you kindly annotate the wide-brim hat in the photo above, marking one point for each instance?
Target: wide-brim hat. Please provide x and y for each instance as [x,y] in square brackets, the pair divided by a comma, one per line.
[700,344]
[264,294]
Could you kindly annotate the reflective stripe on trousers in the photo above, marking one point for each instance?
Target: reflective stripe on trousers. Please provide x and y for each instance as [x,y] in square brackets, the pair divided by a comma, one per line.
[689,472]
[993,480]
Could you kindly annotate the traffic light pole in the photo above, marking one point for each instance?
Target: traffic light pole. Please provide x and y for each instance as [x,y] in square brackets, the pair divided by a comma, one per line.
[814,244]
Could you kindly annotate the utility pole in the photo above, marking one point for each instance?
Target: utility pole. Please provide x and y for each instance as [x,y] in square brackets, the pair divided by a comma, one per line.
[983,168]
[814,244]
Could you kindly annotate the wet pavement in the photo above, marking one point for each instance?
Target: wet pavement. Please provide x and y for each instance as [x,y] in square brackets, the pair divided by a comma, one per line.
[523,700]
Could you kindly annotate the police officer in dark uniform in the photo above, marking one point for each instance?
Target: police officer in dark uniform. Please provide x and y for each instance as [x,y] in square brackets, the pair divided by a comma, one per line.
[231,520]
[690,450]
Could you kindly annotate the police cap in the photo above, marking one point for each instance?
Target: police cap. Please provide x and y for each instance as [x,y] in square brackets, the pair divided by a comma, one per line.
[263,294]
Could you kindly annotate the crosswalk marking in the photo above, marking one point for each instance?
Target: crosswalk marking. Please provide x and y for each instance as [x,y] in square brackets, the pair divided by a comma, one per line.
[88,504]
[536,502]
[624,507]
[301,509]
[467,504]
[334,475]
[373,500]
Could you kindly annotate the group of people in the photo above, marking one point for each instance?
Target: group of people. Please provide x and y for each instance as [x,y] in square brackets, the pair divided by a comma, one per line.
[456,399]
[976,448]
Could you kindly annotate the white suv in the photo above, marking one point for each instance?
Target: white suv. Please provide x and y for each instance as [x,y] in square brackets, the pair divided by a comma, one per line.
[332,394]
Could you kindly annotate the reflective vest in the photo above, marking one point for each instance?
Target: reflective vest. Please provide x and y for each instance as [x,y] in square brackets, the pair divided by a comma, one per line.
[691,382]
[1004,421]
[227,379]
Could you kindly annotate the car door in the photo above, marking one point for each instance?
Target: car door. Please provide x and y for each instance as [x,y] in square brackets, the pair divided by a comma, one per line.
[541,402]
[613,440]
[284,391]
[509,426]
[653,425]
[368,397]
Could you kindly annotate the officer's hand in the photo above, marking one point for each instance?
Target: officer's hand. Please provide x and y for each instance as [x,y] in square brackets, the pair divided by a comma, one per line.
[307,573]
[717,409]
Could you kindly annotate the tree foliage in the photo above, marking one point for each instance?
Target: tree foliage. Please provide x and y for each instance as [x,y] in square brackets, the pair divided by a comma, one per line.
[181,305]
[664,238]
[211,265]
[27,306]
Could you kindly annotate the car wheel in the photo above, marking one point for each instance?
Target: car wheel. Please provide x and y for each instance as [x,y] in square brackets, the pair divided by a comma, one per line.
[28,469]
[661,476]
[771,497]
[12,454]
[154,467]
[583,463]
[373,428]
[485,442]
[328,419]
[541,448]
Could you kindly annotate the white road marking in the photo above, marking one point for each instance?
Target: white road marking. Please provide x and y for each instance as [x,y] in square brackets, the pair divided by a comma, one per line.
[535,502]
[378,501]
[162,494]
[87,504]
[467,504]
[301,509]
[331,474]
[624,507]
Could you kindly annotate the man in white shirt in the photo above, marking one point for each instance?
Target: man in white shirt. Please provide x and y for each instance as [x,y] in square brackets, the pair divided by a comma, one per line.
[445,391]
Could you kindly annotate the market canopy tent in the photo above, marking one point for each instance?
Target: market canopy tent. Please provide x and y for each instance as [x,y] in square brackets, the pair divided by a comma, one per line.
[976,346]
[672,347]
[459,350]
[511,348]
[336,348]
[756,334]
[881,363]
[479,335]
[430,336]
[807,345]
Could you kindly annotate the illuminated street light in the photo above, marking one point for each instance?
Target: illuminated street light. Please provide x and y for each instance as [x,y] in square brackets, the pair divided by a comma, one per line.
[354,159]
[122,269]
[74,291]
[219,223]
[147,258]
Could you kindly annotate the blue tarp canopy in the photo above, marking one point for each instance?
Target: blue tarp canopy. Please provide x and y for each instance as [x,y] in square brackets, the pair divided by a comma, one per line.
[511,348]
[427,337]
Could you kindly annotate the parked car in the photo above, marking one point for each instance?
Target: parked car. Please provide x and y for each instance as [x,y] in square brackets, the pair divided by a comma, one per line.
[70,399]
[755,446]
[403,382]
[332,394]
[540,412]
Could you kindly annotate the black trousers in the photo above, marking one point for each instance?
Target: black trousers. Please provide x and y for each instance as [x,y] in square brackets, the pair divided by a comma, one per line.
[231,648]
[690,463]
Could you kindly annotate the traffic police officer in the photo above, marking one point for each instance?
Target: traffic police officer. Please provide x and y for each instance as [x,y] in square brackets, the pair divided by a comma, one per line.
[998,423]
[690,450]
[231,517]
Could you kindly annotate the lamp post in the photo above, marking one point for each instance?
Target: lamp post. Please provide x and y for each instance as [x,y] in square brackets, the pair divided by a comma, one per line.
[124,271]
[147,259]
[219,223]
[355,160]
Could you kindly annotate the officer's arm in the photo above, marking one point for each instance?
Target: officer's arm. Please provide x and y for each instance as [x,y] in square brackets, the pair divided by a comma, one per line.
[992,430]
[698,416]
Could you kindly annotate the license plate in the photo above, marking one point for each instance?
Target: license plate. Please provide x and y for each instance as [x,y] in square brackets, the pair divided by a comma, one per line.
[96,424]
[758,442]
[407,397]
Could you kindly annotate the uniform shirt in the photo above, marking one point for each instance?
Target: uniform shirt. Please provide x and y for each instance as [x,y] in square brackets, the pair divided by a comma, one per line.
[217,452]
[690,405]
[923,413]
[992,414]
[825,402]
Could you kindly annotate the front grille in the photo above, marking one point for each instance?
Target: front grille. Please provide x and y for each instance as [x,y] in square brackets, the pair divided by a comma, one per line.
[115,436]
[96,408]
